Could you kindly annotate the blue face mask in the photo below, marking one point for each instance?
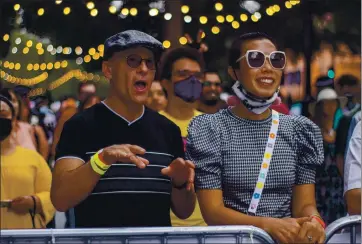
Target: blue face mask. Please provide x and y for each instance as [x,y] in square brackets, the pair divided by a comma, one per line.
[189,89]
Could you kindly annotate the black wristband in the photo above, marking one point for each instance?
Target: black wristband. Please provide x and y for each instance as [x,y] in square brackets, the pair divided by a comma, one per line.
[180,187]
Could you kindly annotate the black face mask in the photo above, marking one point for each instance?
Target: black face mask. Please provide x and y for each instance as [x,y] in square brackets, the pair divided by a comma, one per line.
[5,128]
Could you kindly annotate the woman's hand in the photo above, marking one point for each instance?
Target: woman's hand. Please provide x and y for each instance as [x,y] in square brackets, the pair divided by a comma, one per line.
[311,232]
[22,205]
[284,230]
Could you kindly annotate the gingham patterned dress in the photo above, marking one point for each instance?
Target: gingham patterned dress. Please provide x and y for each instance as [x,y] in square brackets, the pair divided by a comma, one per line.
[228,152]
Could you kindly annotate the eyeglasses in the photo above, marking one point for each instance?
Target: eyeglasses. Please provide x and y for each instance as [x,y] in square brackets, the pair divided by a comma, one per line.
[256,59]
[209,84]
[134,61]
[188,73]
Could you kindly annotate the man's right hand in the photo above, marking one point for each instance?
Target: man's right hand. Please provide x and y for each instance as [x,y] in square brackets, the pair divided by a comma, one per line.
[284,230]
[124,153]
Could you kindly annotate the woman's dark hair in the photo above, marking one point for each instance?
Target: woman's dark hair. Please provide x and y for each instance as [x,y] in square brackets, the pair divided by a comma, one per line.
[178,53]
[5,96]
[236,46]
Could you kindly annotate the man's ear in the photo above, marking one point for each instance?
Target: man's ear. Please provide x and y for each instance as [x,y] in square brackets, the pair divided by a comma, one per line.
[232,73]
[107,70]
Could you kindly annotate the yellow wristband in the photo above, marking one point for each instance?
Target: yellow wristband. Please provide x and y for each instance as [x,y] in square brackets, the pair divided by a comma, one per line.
[97,165]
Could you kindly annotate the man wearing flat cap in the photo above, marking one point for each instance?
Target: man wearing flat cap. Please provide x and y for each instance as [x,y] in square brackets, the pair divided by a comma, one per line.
[119,164]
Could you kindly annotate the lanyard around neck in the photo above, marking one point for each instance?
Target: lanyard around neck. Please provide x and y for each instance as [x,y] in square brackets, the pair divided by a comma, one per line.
[265,164]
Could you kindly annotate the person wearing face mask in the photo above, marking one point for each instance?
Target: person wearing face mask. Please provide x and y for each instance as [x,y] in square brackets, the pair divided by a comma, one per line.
[25,184]
[255,166]
[210,101]
[125,159]
[181,74]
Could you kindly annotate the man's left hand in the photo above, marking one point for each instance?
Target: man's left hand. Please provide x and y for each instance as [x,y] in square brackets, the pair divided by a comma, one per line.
[181,171]
[312,232]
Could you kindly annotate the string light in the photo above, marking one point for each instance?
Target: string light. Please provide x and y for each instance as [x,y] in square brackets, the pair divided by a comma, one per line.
[133,11]
[167,16]
[94,12]
[90,5]
[203,20]
[183,40]
[229,18]
[220,19]
[66,11]
[276,8]
[24,81]
[185,9]
[235,24]
[112,9]
[40,11]
[58,2]
[215,30]
[17,7]
[187,19]
[254,18]
[29,43]
[243,17]
[125,11]
[288,5]
[153,12]
[218,6]
[166,44]
[25,50]
[39,46]
[6,37]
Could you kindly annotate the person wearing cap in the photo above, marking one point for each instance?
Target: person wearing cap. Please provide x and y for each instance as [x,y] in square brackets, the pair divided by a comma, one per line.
[254,166]
[329,182]
[118,163]
[25,177]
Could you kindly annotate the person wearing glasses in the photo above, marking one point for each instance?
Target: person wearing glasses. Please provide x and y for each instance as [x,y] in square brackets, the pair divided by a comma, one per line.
[181,73]
[119,164]
[254,166]
[210,101]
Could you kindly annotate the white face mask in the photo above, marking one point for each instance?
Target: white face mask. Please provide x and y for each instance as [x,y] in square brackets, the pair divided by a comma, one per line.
[252,103]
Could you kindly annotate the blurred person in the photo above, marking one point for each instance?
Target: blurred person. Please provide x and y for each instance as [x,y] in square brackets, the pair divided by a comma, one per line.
[89,102]
[352,175]
[157,99]
[234,147]
[350,88]
[182,70]
[25,184]
[139,175]
[210,101]
[70,108]
[329,183]
[26,135]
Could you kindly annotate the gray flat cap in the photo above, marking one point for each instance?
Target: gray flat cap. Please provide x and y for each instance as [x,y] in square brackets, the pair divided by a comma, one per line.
[131,38]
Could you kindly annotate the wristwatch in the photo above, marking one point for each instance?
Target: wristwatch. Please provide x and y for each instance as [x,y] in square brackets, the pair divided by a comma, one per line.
[180,187]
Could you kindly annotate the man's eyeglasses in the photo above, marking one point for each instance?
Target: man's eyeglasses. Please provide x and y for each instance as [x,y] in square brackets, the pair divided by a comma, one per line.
[209,84]
[134,61]
[256,59]
[188,73]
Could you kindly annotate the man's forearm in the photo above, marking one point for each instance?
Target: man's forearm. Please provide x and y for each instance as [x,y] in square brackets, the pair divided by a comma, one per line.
[183,202]
[73,187]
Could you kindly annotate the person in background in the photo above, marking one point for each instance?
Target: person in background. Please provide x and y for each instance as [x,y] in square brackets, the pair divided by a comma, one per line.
[157,99]
[233,148]
[352,173]
[25,184]
[84,90]
[210,101]
[27,136]
[182,71]
[350,88]
[89,102]
[329,183]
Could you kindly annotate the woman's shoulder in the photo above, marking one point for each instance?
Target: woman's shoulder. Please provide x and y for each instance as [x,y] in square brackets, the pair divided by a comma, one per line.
[298,123]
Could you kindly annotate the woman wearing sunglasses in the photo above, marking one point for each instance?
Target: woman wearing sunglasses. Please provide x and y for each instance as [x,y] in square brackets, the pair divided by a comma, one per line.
[255,166]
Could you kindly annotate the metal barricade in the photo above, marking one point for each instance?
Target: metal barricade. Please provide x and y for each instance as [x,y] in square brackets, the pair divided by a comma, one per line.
[345,223]
[167,235]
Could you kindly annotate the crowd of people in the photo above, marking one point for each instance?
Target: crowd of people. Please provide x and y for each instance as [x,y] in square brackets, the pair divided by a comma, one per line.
[176,150]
